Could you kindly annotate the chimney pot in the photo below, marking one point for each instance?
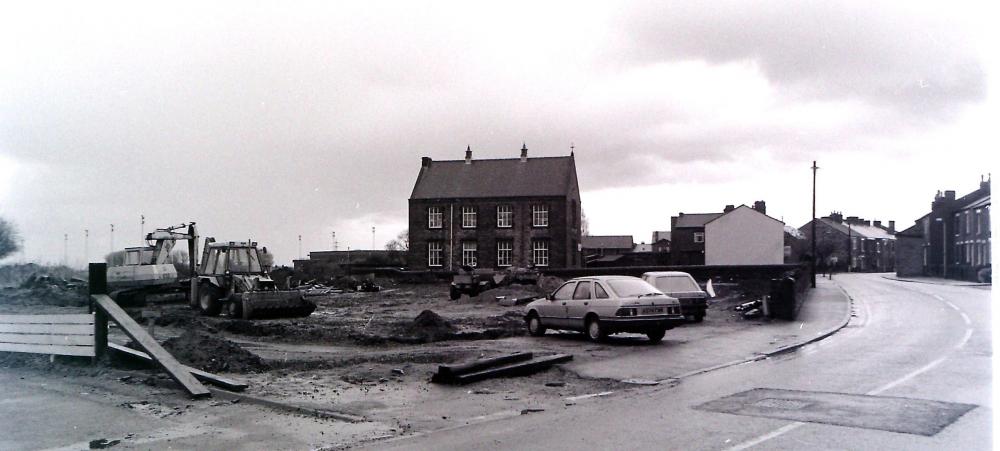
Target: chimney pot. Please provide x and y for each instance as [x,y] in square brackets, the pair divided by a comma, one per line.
[760,206]
[425,162]
[892,226]
[468,155]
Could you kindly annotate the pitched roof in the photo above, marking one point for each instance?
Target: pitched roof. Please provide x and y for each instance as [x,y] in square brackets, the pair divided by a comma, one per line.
[746,207]
[978,203]
[864,231]
[509,177]
[695,219]
[607,242]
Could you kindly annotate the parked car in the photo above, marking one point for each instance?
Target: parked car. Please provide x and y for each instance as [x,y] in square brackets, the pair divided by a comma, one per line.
[605,305]
[694,301]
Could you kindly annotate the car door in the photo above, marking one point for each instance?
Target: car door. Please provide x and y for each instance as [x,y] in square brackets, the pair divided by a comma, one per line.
[553,311]
[577,307]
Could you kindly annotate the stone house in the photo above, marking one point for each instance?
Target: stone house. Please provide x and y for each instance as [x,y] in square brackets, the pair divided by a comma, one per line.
[495,213]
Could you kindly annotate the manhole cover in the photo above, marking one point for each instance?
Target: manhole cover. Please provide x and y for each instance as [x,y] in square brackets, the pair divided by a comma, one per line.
[781,403]
[885,413]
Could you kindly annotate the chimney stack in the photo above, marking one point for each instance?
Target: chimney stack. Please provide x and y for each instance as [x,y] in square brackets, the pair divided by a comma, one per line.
[892,226]
[425,162]
[468,155]
[760,206]
[524,152]
[836,216]
[877,224]
[728,208]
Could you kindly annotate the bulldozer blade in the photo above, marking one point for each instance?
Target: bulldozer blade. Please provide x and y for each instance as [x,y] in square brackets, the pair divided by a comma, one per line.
[273,304]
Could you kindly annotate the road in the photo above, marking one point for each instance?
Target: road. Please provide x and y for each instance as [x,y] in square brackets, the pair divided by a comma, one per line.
[911,371]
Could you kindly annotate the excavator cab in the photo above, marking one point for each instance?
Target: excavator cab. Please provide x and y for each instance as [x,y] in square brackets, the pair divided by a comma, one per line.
[232,279]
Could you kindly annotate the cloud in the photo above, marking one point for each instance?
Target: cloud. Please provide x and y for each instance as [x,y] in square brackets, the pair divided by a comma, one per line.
[921,62]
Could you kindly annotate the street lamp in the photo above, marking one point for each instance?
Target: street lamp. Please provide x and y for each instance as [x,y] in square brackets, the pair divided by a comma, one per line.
[850,248]
[944,246]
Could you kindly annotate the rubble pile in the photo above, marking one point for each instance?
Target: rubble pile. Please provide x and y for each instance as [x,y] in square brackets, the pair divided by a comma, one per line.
[46,290]
[430,327]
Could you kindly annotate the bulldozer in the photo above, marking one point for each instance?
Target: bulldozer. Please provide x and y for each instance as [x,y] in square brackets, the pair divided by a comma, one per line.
[232,279]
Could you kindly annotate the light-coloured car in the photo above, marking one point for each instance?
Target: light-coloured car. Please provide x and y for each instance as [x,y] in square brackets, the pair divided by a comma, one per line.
[604,305]
[694,300]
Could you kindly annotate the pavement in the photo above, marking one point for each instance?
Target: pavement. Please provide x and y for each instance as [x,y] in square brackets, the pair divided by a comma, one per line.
[826,310]
[937,281]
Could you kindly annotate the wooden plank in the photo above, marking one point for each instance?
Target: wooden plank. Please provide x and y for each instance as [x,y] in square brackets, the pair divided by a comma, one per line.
[74,340]
[515,369]
[80,318]
[163,358]
[58,329]
[204,376]
[84,351]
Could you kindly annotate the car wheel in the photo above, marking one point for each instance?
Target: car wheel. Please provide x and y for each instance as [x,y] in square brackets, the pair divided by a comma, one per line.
[699,317]
[454,294]
[535,327]
[208,300]
[656,335]
[595,332]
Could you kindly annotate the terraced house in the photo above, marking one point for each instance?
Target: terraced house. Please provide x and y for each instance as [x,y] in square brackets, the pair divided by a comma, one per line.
[495,213]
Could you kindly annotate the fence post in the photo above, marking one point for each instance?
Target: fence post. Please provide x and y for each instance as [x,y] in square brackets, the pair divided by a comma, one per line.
[98,284]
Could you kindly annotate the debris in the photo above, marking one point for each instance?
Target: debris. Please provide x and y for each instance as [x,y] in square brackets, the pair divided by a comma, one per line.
[752,313]
[213,354]
[481,391]
[641,382]
[555,384]
[531,410]
[398,371]
[746,306]
[102,443]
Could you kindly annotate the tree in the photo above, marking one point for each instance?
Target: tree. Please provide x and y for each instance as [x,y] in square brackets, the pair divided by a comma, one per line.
[584,224]
[9,240]
[401,243]
[116,258]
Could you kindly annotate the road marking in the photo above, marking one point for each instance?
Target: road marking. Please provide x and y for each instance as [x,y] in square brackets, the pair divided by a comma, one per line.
[921,370]
[592,395]
[782,430]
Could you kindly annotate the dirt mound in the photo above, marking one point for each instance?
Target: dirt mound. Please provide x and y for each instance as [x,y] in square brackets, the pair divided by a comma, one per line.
[213,354]
[430,326]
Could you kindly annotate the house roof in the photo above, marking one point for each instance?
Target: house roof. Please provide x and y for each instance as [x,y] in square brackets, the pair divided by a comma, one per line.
[978,203]
[695,219]
[607,242]
[916,230]
[661,235]
[741,207]
[509,177]
[864,231]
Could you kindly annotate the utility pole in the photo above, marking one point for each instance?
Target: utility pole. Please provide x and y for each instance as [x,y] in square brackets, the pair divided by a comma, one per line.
[112,237]
[333,240]
[86,246]
[65,249]
[300,247]
[373,237]
[812,263]
[850,248]
[142,228]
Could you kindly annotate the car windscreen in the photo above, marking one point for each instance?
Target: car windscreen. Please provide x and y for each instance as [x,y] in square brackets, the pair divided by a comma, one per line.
[628,288]
[674,284]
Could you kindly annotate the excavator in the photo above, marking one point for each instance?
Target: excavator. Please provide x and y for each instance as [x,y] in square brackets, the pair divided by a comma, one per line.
[230,277]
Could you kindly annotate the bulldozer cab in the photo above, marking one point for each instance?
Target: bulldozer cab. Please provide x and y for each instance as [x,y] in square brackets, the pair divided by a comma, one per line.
[231,258]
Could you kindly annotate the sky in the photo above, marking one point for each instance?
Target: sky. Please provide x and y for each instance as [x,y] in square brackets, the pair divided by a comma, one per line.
[274,120]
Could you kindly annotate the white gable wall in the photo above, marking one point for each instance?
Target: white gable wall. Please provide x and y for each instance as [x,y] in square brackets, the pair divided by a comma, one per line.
[744,236]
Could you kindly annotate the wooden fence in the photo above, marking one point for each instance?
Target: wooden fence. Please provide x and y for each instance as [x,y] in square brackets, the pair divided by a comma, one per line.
[48,334]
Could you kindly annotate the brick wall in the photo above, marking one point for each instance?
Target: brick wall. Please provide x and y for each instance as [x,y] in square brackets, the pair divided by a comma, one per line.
[909,256]
[561,234]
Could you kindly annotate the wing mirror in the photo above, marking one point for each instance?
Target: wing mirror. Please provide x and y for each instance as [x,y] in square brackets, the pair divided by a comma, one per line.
[550,297]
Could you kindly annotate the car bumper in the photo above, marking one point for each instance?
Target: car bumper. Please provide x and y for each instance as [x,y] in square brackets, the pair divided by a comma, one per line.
[642,324]
[693,306]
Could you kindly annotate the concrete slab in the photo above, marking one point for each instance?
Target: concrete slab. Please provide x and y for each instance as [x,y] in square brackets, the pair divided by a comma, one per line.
[886,413]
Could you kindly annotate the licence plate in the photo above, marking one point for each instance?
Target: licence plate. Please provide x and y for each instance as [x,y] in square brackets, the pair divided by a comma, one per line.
[651,310]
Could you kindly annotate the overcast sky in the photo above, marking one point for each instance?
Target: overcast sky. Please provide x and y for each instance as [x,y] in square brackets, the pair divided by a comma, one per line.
[274,120]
